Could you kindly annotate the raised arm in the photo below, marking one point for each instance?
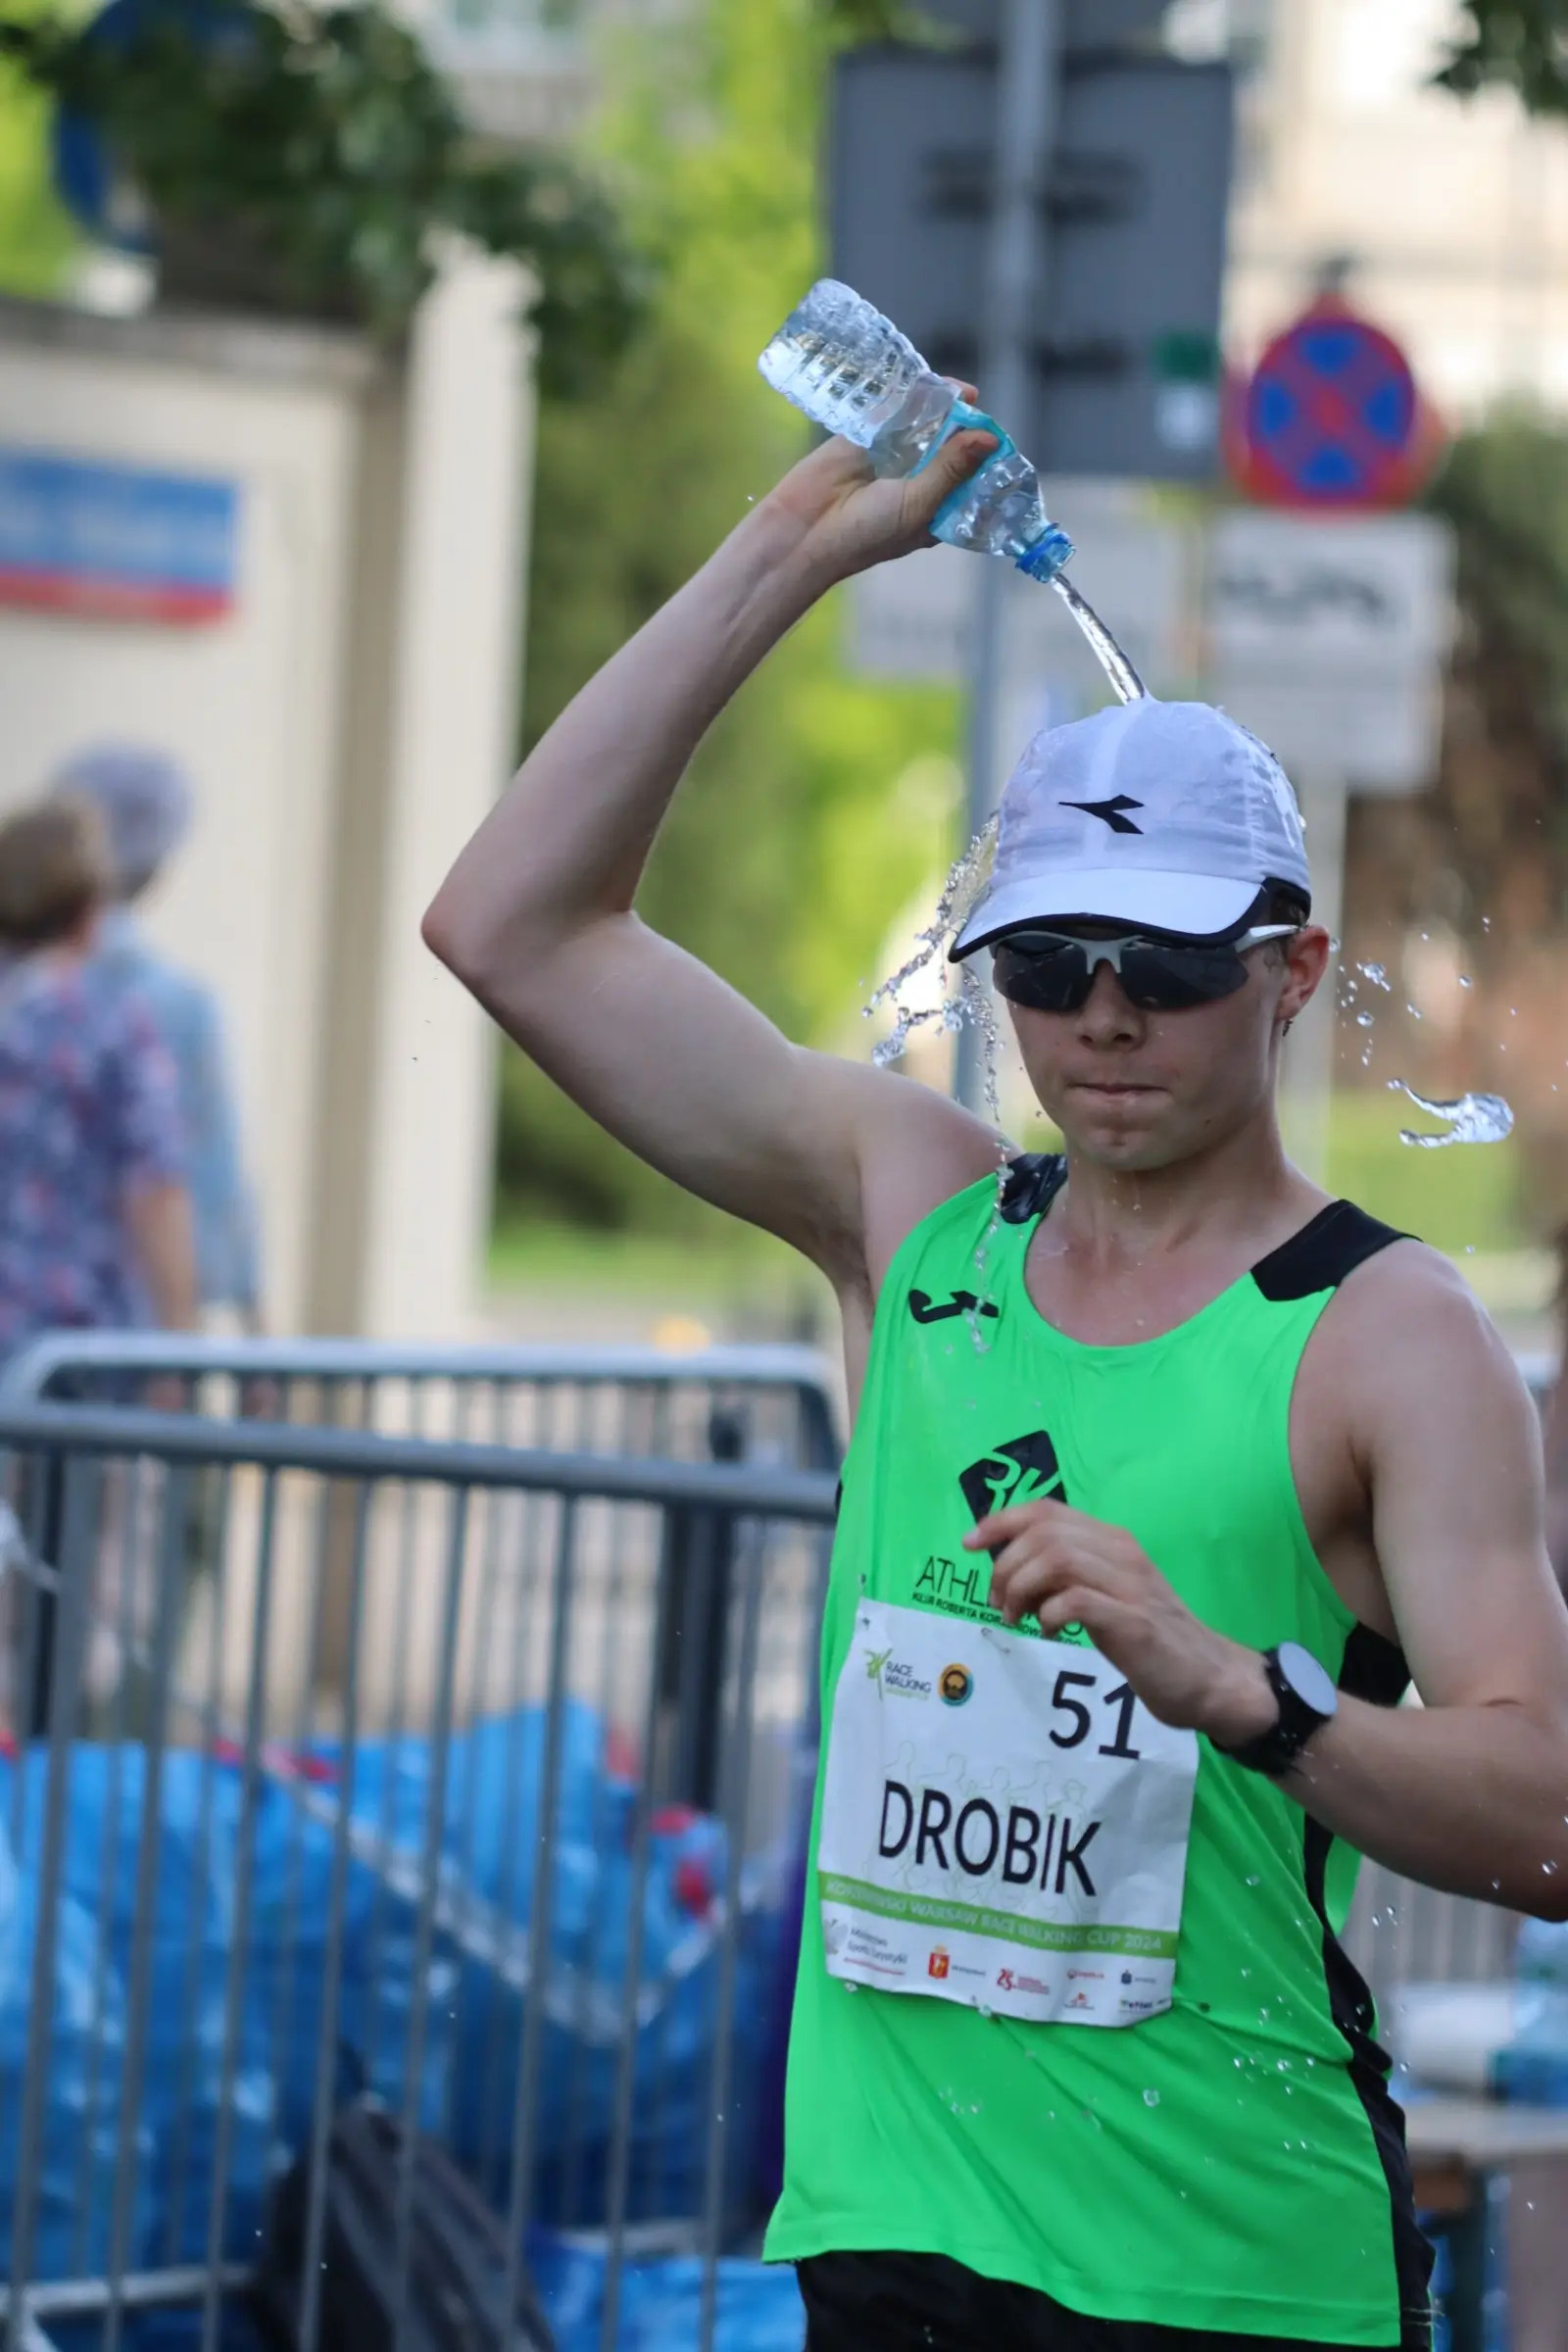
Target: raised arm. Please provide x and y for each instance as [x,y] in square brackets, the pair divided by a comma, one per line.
[536,916]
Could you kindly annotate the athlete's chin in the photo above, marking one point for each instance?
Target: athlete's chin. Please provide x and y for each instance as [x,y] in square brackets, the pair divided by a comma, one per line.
[1115,1120]
[1121,1129]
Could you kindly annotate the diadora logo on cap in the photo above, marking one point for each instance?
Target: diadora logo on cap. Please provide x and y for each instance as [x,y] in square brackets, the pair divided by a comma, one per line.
[1111,813]
[1021,1471]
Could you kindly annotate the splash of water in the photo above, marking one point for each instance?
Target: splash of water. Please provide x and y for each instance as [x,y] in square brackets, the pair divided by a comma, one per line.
[966,877]
[979,1008]
[1112,660]
[1471,1119]
[971,1002]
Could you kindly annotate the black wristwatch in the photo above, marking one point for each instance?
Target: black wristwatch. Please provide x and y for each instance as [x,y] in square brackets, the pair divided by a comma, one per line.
[1308,1700]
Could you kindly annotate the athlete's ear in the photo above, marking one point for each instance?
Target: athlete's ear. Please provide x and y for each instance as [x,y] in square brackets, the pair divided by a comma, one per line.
[1306,959]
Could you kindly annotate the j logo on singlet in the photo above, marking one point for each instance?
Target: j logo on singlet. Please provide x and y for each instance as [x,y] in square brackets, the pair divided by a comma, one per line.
[1021,1471]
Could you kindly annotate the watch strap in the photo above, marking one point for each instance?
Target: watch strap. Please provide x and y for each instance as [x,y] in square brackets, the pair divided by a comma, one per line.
[1274,1751]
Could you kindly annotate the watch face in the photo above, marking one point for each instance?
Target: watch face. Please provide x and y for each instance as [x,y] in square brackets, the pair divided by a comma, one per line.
[1307,1679]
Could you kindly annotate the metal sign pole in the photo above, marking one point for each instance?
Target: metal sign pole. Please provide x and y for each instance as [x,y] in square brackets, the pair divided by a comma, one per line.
[1027,100]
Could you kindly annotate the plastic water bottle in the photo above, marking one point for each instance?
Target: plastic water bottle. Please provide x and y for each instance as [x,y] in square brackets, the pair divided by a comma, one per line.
[852,371]
[1534,2067]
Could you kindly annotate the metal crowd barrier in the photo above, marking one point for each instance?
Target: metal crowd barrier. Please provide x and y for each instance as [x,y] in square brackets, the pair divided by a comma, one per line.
[769,1406]
[472,1875]
[1402,1933]
[763,1403]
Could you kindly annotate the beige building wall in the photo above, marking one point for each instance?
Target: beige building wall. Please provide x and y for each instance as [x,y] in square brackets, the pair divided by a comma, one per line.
[1454,214]
[344,724]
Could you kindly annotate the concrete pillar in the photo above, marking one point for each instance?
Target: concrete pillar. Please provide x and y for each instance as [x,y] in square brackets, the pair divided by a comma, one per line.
[406,1118]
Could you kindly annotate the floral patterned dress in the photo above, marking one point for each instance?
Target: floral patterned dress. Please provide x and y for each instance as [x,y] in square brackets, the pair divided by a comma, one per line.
[89,1110]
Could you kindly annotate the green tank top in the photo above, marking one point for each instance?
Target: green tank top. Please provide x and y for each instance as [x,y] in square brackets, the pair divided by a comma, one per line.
[1234,2163]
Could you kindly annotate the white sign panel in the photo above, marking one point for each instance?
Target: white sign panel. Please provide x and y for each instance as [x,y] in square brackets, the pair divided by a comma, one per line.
[1371,734]
[1326,637]
[1306,595]
[913,618]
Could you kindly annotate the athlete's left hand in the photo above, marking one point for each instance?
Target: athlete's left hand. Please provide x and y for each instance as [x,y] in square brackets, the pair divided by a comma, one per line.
[1065,1568]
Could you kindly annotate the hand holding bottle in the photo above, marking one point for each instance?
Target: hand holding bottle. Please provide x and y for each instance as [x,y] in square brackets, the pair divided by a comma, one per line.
[850,371]
[850,519]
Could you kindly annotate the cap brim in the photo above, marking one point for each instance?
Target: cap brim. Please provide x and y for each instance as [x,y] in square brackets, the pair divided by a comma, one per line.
[1200,904]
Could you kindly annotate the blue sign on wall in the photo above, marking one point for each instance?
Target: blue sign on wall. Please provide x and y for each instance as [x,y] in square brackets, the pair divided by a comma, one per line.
[118,542]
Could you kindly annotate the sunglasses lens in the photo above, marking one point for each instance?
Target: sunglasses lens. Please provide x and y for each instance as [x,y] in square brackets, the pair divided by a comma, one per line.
[1042,974]
[1173,979]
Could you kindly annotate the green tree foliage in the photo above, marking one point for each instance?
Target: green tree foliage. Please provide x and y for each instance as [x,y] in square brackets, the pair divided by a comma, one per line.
[320,150]
[1521,45]
[783,863]
[37,238]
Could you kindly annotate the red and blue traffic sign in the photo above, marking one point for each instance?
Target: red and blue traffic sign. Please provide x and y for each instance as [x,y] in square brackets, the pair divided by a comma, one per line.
[1331,417]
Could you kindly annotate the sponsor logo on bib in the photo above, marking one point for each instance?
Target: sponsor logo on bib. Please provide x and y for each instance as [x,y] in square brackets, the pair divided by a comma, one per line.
[895,1676]
[956,1685]
[937,1964]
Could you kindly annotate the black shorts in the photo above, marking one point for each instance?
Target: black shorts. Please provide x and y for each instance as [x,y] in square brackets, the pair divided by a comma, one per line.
[925,2303]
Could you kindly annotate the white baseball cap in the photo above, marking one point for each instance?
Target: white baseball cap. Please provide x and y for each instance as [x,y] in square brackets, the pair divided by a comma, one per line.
[1166,816]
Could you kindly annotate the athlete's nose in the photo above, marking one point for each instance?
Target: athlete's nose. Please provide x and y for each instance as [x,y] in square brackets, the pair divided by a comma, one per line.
[1107,1014]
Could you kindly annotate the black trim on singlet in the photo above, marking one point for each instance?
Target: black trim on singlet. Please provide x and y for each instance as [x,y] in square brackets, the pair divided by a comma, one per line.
[1033,1181]
[1373,1669]
[1338,1240]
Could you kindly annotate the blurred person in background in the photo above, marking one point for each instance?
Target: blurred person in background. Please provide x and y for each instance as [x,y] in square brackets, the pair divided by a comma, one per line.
[145,802]
[96,1230]
[95,1212]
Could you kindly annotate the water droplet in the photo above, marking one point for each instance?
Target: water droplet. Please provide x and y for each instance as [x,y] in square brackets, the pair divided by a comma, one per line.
[1363,1020]
[1470,1118]
[1254,1879]
[1465,980]
[1150,2098]
[1376,974]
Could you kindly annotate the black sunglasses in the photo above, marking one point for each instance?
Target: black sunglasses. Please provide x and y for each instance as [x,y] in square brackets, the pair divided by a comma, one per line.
[1050,971]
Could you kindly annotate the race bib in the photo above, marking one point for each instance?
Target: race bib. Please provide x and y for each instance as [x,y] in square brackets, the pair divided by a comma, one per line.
[1003,1823]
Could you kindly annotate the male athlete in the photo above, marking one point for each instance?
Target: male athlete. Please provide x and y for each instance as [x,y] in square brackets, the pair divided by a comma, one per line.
[1077,2062]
